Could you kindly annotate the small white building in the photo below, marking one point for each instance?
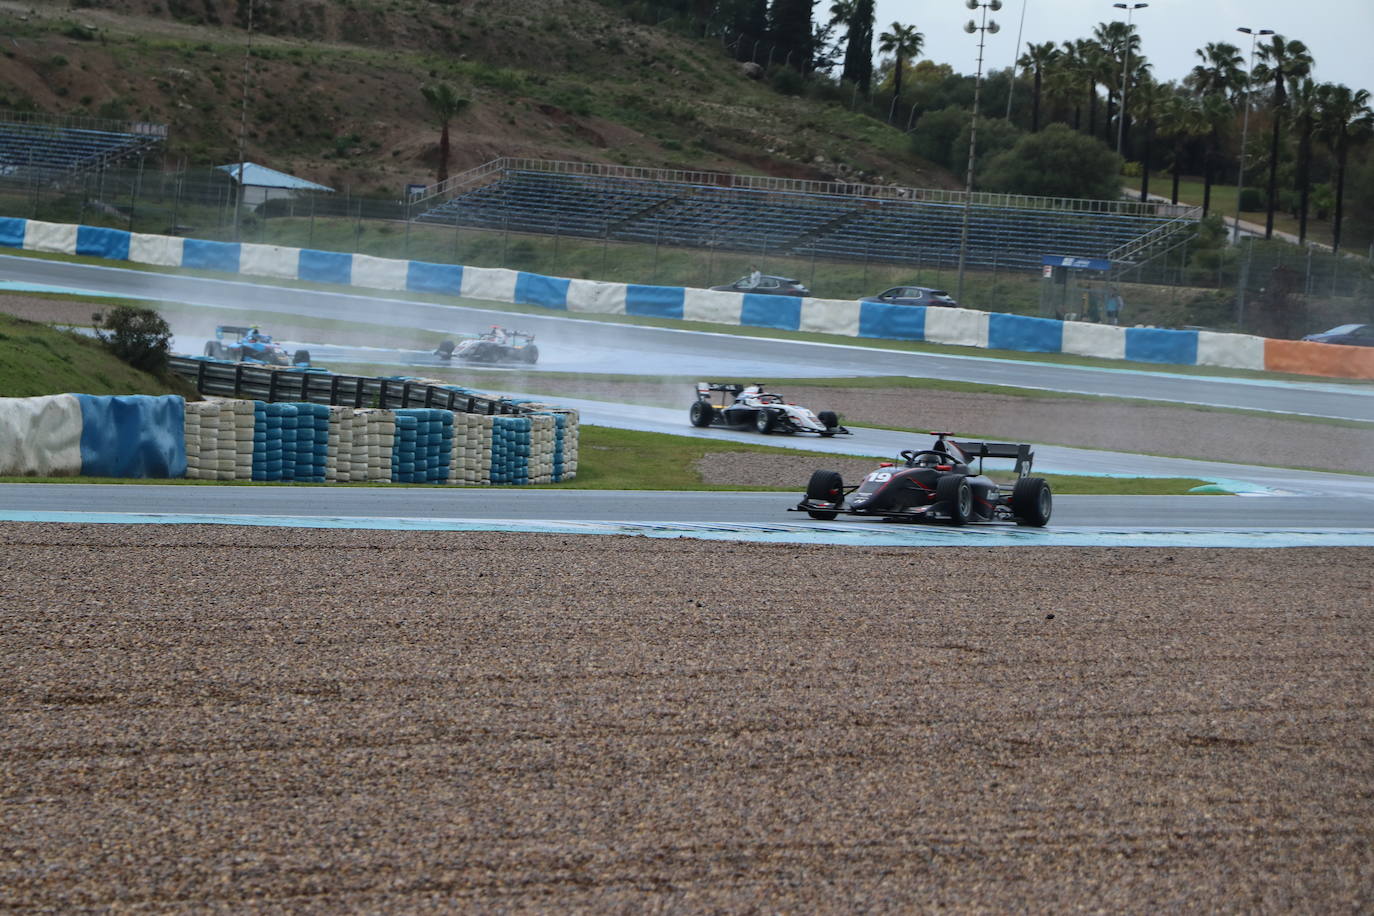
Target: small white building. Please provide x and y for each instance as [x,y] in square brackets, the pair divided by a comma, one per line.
[261,184]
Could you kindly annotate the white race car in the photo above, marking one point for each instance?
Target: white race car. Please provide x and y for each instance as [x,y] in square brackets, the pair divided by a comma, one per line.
[749,405]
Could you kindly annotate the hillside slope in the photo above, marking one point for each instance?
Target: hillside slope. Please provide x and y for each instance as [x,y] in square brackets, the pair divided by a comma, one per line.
[336,89]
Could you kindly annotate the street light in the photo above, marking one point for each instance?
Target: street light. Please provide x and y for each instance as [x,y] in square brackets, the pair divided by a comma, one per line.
[1245,125]
[1125,71]
[982,31]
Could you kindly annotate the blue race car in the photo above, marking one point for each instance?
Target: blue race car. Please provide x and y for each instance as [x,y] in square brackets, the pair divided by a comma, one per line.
[251,345]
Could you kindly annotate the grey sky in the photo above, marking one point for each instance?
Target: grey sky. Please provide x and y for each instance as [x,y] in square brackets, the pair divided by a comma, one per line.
[1339,33]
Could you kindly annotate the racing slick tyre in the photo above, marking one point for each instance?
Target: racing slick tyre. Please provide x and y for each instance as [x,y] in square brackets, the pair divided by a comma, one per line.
[1032,502]
[530,354]
[444,350]
[300,358]
[827,486]
[954,491]
[830,420]
[214,349]
[701,413]
[764,421]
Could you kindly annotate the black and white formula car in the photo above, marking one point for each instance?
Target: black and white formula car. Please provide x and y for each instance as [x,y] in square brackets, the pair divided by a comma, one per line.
[751,406]
[497,345]
[937,483]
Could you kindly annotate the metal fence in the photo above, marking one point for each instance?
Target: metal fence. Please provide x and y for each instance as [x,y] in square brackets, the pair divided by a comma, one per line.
[1189,285]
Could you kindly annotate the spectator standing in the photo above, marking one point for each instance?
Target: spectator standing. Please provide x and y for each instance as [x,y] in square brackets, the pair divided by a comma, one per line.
[1114,306]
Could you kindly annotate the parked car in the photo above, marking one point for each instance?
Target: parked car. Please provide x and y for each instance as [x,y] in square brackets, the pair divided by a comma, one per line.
[913,295]
[1351,335]
[767,285]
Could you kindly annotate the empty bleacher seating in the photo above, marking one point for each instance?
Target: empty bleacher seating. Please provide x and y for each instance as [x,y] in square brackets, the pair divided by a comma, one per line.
[836,225]
[48,149]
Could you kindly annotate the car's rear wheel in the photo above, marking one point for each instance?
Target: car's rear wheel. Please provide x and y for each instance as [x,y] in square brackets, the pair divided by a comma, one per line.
[214,349]
[953,490]
[444,350]
[763,421]
[701,413]
[825,486]
[1032,502]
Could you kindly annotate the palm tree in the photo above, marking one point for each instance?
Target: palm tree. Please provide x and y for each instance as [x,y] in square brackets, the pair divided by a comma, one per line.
[1216,113]
[1037,59]
[906,43]
[1098,67]
[1067,80]
[1280,61]
[1182,120]
[1222,70]
[1344,116]
[1118,40]
[1150,99]
[445,105]
[1304,97]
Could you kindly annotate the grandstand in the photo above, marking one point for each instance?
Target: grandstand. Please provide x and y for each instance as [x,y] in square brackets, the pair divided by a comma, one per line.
[39,148]
[800,218]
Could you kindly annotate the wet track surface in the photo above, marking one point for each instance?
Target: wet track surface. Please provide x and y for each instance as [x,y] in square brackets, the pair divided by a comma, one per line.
[1291,506]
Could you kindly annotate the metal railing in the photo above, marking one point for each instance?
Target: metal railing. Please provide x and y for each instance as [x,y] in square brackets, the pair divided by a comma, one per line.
[500,167]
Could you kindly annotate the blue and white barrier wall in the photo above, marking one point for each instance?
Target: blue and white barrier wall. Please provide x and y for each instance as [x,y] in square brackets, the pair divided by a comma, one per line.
[73,435]
[958,327]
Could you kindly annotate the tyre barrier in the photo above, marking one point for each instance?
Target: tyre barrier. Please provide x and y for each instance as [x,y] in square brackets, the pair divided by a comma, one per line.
[68,435]
[955,327]
[236,439]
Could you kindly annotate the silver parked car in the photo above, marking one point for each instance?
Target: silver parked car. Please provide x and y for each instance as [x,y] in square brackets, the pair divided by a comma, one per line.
[913,295]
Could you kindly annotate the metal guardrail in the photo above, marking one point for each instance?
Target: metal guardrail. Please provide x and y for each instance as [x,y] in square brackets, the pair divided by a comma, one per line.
[244,380]
[499,167]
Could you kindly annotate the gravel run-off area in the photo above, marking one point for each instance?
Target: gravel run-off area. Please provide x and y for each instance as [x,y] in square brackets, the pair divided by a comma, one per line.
[203,718]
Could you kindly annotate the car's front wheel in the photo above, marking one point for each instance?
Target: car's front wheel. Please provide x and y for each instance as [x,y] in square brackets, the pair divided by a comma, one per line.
[301,358]
[701,413]
[1032,502]
[953,490]
[828,487]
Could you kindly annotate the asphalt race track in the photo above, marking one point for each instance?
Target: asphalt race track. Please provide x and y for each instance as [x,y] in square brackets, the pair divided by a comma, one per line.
[657,351]
[1284,507]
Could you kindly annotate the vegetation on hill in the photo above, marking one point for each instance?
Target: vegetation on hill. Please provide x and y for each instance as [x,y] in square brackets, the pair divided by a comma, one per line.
[38,359]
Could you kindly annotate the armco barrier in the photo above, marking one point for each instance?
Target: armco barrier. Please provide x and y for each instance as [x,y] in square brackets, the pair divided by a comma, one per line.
[961,327]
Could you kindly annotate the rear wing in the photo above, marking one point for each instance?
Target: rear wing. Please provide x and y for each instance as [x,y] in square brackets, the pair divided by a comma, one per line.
[721,394]
[233,331]
[1020,451]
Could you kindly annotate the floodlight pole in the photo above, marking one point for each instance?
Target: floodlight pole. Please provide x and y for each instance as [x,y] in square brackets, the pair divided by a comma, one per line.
[1015,56]
[1125,73]
[982,31]
[1245,127]
[243,123]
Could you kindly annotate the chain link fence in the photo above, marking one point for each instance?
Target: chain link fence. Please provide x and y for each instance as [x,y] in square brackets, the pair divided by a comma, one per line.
[1257,286]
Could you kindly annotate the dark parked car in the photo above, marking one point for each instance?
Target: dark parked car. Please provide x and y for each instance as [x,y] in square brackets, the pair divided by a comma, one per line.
[770,286]
[1352,335]
[913,295]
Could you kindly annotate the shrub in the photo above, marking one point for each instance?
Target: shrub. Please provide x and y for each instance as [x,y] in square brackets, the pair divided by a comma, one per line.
[1253,199]
[137,336]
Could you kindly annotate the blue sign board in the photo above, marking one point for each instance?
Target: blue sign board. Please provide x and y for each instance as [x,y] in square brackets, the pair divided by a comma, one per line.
[1057,260]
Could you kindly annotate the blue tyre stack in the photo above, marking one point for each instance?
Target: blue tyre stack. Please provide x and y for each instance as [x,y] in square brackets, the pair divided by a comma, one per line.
[289,432]
[318,455]
[403,448]
[259,440]
[560,423]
